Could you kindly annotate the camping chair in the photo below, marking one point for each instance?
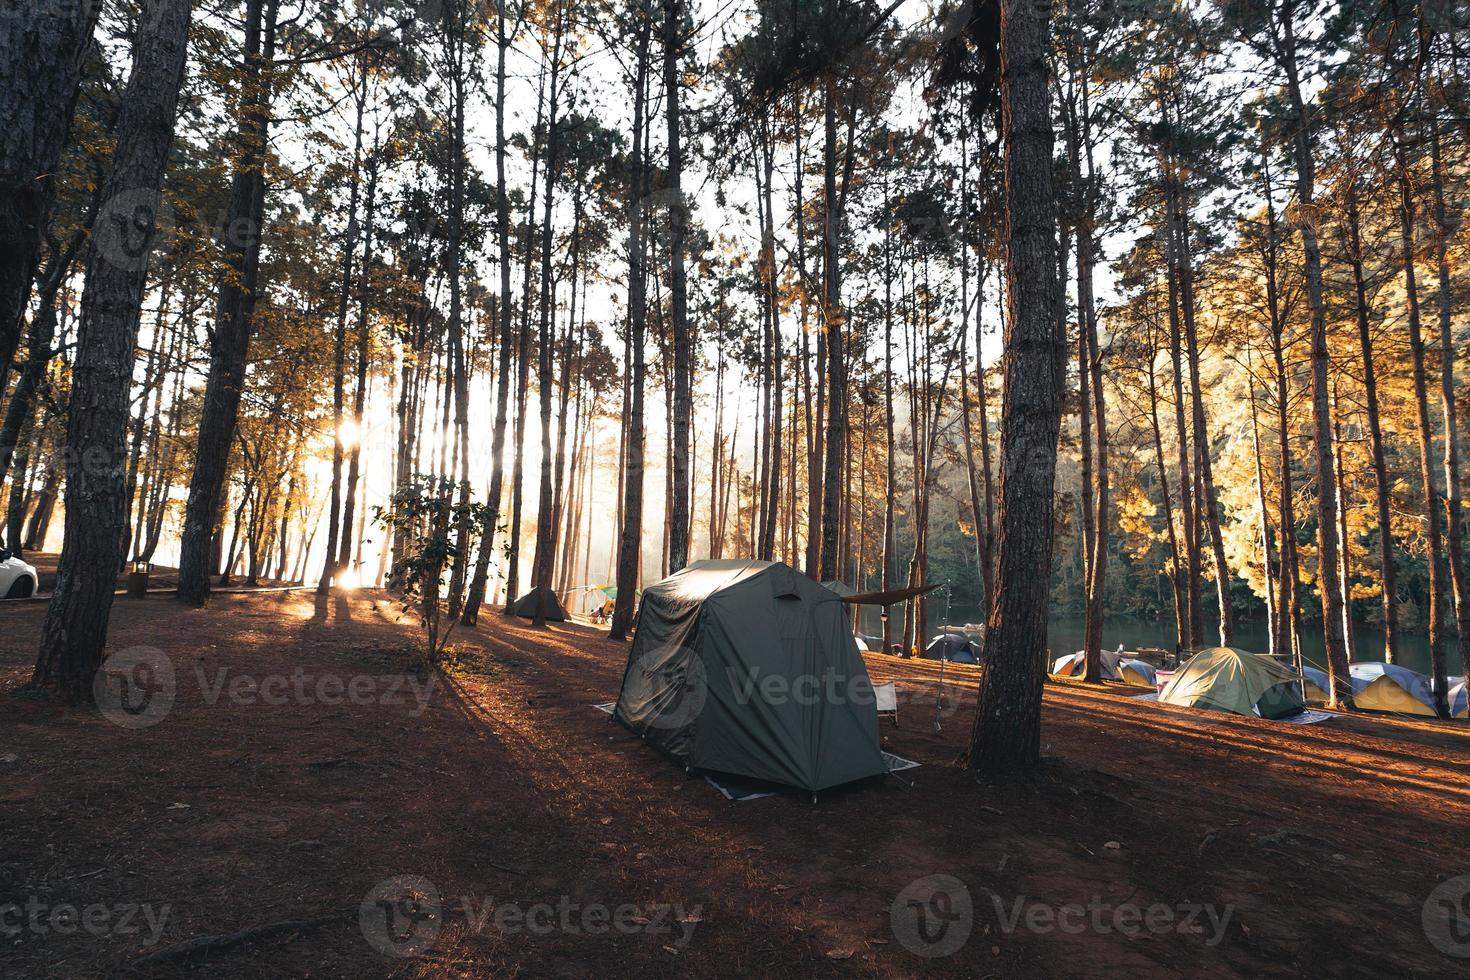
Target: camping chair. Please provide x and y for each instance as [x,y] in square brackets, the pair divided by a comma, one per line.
[886,698]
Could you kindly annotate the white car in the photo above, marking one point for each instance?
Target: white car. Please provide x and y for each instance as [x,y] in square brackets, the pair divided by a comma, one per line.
[17,578]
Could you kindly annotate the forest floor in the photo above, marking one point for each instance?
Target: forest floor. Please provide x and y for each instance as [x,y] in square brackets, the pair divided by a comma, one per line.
[306,765]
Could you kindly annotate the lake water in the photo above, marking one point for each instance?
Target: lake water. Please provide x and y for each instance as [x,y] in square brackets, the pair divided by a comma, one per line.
[1064,635]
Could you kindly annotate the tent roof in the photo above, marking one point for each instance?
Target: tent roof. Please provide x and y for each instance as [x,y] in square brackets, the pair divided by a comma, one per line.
[838,586]
[1369,671]
[702,579]
[1230,680]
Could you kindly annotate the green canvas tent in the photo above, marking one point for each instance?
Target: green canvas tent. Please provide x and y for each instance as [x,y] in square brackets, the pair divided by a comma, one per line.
[1226,679]
[749,668]
[526,606]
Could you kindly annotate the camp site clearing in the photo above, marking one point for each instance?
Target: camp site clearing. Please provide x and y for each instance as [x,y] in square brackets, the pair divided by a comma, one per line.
[305,761]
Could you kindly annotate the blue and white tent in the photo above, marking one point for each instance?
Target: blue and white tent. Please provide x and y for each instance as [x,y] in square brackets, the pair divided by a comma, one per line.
[1115,667]
[1392,688]
[1138,672]
[1074,665]
[1316,684]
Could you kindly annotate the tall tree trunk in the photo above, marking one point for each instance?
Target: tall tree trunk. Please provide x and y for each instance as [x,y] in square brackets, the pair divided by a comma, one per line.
[20,484]
[234,321]
[456,28]
[360,383]
[1097,585]
[339,338]
[42,51]
[1386,572]
[833,321]
[771,471]
[815,401]
[1271,632]
[632,529]
[1455,534]
[1181,605]
[890,444]
[523,369]
[40,337]
[1007,732]
[678,298]
[1288,621]
[45,504]
[1288,611]
[1091,658]
[1344,559]
[1194,616]
[1327,543]
[1207,504]
[977,511]
[546,381]
[75,628]
[506,308]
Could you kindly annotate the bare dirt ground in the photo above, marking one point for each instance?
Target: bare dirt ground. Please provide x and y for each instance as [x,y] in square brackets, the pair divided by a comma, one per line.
[162,578]
[274,798]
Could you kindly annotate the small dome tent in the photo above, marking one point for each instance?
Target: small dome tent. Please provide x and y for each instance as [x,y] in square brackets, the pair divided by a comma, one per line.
[1066,664]
[1115,667]
[1459,701]
[954,647]
[1140,673]
[750,669]
[1226,679]
[1391,688]
[526,606]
